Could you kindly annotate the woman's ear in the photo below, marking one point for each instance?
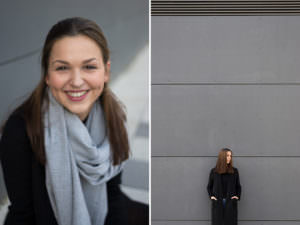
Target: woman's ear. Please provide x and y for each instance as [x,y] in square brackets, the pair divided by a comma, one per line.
[107,72]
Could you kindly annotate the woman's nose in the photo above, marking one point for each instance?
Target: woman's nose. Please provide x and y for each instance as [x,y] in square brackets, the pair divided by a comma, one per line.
[76,79]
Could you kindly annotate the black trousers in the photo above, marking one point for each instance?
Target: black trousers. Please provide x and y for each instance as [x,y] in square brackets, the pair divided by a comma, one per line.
[224,214]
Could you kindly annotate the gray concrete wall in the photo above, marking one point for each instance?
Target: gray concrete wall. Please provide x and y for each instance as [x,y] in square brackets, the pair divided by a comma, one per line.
[225,82]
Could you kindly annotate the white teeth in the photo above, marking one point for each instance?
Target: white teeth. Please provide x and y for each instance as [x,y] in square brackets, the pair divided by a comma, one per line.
[77,94]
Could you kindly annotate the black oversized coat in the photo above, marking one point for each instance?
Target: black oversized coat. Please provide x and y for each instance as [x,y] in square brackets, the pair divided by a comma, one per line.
[229,214]
[25,182]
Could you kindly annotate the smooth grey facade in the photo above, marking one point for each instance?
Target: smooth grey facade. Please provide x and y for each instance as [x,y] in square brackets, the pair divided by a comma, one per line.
[225,81]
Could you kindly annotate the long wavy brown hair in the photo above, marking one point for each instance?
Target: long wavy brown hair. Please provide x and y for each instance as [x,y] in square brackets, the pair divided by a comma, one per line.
[115,116]
[222,166]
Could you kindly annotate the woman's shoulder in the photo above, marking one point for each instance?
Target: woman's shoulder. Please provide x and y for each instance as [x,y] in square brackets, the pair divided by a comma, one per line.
[212,170]
[15,122]
[14,128]
[235,170]
[15,146]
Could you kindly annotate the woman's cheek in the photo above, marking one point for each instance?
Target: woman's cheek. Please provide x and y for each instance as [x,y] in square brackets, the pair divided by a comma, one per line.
[97,82]
[57,80]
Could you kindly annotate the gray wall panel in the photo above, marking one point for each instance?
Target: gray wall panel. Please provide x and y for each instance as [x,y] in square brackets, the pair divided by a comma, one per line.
[198,120]
[240,223]
[225,81]
[225,49]
[180,223]
[19,79]
[207,0]
[269,188]
[269,222]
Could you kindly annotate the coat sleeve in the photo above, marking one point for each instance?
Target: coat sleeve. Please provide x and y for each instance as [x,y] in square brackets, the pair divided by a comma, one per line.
[122,209]
[117,207]
[238,185]
[210,183]
[16,157]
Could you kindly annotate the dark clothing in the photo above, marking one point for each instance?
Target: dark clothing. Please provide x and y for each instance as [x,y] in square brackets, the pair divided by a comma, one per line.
[25,182]
[225,180]
[215,188]
[227,214]
[224,214]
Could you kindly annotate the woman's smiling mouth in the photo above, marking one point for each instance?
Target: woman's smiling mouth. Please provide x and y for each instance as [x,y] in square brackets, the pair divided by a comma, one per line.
[76,95]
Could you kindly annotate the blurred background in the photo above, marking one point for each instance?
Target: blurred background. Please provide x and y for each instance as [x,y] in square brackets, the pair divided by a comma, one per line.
[24,27]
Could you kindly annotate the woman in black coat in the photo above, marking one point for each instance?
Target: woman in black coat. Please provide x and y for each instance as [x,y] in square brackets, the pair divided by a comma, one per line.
[25,182]
[224,190]
[73,97]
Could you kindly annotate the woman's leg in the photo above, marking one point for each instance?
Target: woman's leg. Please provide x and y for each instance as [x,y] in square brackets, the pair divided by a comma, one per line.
[230,212]
[217,212]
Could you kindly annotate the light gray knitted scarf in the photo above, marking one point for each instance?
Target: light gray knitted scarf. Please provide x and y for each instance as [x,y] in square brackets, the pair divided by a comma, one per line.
[79,164]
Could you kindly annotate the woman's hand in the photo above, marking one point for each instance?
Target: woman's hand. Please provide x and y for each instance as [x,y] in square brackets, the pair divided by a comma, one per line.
[213,198]
[235,197]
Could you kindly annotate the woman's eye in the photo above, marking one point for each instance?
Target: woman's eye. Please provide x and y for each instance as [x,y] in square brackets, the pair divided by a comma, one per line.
[61,68]
[89,67]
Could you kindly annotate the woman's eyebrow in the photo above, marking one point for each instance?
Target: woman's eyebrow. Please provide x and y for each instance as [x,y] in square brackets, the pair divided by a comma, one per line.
[65,62]
[88,60]
[60,61]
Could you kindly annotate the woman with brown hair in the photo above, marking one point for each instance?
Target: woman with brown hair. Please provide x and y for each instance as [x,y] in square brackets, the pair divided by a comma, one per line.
[63,149]
[224,190]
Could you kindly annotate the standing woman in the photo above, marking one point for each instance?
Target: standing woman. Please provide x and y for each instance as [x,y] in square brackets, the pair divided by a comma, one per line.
[224,190]
[63,149]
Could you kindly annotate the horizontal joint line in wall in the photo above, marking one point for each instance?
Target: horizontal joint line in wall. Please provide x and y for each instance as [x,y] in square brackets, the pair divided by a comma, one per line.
[207,11]
[193,8]
[223,2]
[279,6]
[246,4]
[212,84]
[230,14]
[153,220]
[215,3]
[222,11]
[174,9]
[20,57]
[235,156]
[256,2]
[238,9]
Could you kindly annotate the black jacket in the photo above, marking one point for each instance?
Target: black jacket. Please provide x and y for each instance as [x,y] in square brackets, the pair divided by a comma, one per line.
[25,182]
[214,186]
[228,213]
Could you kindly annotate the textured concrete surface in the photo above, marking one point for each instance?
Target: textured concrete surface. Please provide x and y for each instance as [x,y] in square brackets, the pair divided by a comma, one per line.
[225,82]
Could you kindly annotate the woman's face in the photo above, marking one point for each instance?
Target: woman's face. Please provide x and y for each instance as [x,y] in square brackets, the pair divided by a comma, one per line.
[77,74]
[228,157]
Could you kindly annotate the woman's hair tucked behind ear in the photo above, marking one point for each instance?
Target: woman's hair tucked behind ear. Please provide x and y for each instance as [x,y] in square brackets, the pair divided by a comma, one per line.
[222,166]
[31,109]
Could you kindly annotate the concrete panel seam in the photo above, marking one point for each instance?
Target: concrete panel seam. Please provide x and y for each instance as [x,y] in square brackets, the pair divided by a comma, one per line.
[20,57]
[226,83]
[236,156]
[238,220]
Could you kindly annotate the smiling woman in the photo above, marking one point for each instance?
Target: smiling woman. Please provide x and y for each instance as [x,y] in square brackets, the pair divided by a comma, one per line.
[63,149]
[77,73]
